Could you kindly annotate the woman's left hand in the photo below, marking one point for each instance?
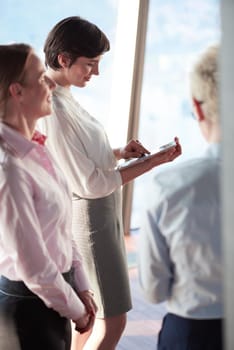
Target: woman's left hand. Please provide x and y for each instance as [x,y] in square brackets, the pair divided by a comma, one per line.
[87,298]
[168,155]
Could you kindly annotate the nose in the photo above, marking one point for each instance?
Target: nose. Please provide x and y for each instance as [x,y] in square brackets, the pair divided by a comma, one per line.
[51,83]
[95,69]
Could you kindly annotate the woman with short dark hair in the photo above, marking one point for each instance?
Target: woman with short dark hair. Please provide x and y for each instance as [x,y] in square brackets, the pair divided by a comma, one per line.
[73,50]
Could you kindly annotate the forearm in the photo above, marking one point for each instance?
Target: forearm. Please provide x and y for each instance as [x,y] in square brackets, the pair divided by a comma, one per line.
[139,168]
[129,174]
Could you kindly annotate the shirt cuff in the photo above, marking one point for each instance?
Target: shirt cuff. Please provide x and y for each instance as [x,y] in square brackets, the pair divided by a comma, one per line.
[74,308]
[119,178]
[80,278]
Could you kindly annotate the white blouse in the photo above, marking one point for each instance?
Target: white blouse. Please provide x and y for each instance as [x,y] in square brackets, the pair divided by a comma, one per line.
[81,147]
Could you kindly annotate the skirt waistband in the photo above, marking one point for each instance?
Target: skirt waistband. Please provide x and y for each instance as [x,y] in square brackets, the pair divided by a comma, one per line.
[75,197]
[19,288]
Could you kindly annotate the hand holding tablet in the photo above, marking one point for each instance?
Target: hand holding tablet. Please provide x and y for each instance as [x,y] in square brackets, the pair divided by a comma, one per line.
[134,161]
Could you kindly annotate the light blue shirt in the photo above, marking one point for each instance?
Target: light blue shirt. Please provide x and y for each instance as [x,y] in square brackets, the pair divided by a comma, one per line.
[180,239]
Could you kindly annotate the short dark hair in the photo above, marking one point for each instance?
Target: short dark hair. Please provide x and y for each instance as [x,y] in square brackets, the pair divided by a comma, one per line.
[76,37]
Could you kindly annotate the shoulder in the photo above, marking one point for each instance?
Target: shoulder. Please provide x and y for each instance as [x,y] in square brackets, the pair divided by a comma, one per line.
[12,162]
[67,109]
[187,174]
[183,193]
[12,170]
[7,157]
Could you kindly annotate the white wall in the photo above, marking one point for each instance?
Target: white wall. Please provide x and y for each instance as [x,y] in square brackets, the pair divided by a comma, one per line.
[227,185]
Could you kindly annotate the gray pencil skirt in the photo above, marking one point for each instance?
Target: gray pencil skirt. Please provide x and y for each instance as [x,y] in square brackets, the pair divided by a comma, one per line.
[97,228]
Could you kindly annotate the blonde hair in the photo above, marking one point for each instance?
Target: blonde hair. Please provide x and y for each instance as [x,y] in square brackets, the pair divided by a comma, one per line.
[204,81]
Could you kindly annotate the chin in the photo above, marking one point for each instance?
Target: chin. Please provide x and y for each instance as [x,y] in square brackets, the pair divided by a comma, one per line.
[46,113]
[81,85]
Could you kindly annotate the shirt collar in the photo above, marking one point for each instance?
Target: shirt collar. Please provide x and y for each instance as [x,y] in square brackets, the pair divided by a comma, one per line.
[39,138]
[213,150]
[17,143]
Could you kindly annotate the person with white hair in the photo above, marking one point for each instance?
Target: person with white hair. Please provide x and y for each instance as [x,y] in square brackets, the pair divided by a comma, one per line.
[180,256]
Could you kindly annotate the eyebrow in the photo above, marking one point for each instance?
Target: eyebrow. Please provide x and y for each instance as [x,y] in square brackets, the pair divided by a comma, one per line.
[94,60]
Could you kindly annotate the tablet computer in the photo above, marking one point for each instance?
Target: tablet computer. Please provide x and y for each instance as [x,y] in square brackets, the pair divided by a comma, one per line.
[141,159]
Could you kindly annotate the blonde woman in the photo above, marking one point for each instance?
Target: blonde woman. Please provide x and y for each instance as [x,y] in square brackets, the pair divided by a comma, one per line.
[38,259]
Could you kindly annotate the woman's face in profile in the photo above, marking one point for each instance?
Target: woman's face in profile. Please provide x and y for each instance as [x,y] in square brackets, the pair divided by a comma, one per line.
[81,71]
[36,89]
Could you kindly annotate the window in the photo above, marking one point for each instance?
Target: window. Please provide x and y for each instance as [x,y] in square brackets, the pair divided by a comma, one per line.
[177,31]
[30,21]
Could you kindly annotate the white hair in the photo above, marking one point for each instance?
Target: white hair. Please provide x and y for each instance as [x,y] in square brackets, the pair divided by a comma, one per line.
[204,81]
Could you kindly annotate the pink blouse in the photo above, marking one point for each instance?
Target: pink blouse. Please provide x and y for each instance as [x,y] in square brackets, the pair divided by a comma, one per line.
[36,244]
